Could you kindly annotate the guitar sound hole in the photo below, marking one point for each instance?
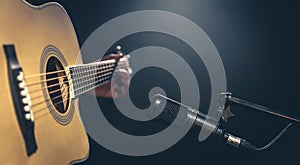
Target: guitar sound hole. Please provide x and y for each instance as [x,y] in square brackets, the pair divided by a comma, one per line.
[57,84]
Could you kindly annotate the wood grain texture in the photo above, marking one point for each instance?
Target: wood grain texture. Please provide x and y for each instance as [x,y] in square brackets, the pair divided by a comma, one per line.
[31,29]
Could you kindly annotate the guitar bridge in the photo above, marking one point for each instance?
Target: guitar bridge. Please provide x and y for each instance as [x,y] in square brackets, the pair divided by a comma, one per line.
[21,99]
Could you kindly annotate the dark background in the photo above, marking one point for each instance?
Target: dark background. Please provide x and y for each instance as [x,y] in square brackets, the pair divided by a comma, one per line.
[258,42]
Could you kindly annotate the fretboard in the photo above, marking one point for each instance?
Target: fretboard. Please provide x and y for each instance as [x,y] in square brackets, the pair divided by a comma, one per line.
[89,76]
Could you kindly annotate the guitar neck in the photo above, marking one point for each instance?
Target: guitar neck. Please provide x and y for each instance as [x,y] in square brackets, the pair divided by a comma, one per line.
[85,77]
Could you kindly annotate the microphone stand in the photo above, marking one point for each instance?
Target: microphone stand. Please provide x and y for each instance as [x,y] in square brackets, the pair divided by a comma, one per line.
[199,119]
[237,141]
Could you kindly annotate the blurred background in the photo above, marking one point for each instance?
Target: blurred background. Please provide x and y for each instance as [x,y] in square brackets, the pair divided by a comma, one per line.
[258,42]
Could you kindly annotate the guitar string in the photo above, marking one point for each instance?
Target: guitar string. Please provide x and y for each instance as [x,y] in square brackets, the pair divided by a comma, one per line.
[39,110]
[50,86]
[46,80]
[38,82]
[101,79]
[45,108]
[52,92]
[78,73]
[89,79]
[59,71]
[83,82]
[110,65]
[80,84]
[41,74]
[77,78]
[54,72]
[36,112]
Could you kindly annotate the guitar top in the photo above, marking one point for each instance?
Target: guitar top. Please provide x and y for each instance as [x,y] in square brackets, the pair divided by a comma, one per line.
[39,119]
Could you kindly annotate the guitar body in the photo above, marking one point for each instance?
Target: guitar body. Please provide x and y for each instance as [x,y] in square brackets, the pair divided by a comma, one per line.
[39,33]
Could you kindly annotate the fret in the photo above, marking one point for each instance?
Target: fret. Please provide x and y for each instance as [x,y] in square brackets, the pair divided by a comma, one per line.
[72,72]
[73,78]
[85,77]
[94,71]
[89,76]
[80,82]
[92,77]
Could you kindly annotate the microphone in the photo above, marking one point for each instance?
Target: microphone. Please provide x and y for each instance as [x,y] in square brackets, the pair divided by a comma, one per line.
[188,114]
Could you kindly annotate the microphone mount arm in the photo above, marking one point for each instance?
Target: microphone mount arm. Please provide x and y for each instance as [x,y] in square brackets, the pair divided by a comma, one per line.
[231,99]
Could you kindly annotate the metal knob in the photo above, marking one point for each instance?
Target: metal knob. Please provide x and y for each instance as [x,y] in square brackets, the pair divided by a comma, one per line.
[119,50]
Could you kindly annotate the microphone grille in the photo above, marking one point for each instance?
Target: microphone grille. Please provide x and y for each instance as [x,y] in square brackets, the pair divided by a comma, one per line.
[171,110]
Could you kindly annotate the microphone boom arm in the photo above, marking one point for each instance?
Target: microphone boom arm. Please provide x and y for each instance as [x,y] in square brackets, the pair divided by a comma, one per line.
[230,99]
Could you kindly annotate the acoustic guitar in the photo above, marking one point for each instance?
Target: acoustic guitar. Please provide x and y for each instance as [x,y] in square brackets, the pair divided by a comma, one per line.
[40,85]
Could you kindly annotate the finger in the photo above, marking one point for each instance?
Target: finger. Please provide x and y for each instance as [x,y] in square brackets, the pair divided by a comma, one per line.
[115,90]
[111,56]
[121,78]
[103,90]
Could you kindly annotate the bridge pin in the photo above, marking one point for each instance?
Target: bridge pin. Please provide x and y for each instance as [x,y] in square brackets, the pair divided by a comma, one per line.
[27,108]
[25,100]
[24,92]
[20,77]
[22,85]
[28,116]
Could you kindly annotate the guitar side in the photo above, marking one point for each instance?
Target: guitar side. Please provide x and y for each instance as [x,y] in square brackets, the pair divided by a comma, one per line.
[32,30]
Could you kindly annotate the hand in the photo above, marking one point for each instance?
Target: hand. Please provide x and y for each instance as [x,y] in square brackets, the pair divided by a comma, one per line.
[116,88]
